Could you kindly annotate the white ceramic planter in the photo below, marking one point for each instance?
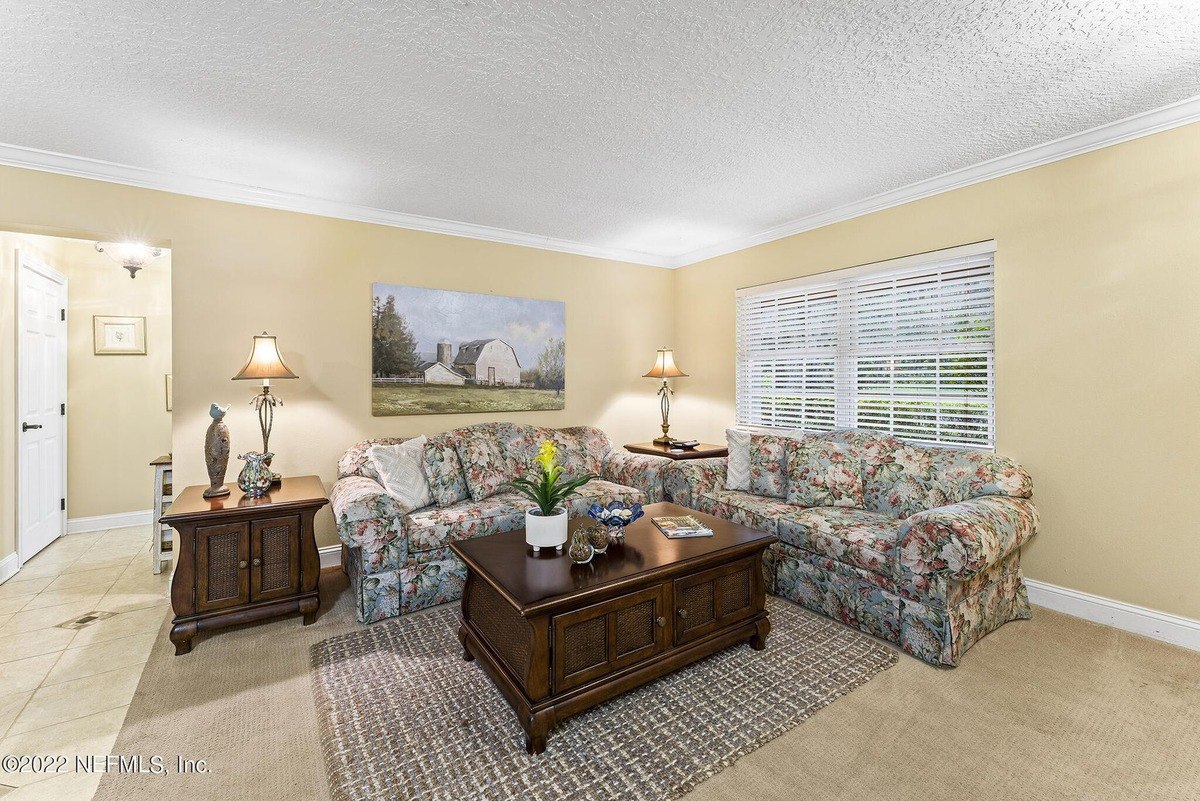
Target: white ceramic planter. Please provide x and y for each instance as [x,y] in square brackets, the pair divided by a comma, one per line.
[543,531]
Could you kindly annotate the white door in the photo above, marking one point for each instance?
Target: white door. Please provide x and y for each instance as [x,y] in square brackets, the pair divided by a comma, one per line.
[41,409]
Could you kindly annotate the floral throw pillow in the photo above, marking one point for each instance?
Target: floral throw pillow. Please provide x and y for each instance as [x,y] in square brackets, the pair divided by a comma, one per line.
[486,463]
[768,465]
[447,483]
[824,473]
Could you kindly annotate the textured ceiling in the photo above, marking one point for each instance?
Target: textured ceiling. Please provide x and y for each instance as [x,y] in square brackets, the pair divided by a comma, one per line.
[659,127]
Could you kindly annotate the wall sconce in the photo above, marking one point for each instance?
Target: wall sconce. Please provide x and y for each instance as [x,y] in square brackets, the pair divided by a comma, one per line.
[133,256]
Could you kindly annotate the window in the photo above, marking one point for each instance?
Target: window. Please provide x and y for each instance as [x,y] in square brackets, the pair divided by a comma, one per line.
[905,346]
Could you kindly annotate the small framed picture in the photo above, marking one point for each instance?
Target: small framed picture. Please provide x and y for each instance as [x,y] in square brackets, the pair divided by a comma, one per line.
[170,393]
[119,336]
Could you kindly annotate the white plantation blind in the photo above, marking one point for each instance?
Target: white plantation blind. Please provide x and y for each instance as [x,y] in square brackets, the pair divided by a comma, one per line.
[905,346]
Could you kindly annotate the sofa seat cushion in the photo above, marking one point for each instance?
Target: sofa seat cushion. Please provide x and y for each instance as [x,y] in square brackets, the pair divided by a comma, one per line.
[438,526]
[744,508]
[859,538]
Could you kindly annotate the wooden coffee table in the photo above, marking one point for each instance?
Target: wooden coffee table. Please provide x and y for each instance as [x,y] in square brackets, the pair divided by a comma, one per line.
[558,638]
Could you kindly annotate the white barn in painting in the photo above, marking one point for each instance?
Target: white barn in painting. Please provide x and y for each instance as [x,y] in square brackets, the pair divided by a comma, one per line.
[489,361]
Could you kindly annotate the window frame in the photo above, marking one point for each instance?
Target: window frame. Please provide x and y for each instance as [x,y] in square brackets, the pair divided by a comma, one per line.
[836,342]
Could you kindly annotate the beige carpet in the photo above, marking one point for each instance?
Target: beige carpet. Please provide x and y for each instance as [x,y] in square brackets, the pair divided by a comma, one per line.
[1053,708]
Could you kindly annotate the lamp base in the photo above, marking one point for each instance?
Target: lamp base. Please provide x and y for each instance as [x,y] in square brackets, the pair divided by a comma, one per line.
[663,440]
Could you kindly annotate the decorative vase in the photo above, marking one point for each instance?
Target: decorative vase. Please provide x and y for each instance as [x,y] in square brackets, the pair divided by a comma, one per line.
[216,452]
[546,531]
[616,516]
[581,549]
[255,478]
[598,537]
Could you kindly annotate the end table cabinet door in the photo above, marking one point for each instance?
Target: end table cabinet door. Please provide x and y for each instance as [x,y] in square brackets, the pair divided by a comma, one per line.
[222,556]
[274,557]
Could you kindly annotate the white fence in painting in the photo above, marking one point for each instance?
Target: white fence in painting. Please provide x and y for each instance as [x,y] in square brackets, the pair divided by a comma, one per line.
[479,382]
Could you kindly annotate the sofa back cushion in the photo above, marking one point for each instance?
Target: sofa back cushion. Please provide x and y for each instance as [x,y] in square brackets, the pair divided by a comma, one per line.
[596,447]
[488,459]
[444,469]
[821,472]
[355,461]
[901,478]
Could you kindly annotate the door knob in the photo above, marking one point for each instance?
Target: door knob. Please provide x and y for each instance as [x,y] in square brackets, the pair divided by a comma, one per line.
[26,427]
[242,565]
[661,621]
[257,562]
[683,613]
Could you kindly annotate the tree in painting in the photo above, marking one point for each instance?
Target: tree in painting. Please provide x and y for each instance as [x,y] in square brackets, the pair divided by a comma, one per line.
[551,365]
[393,347]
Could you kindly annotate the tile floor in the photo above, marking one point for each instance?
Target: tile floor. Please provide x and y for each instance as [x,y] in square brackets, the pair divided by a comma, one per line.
[65,691]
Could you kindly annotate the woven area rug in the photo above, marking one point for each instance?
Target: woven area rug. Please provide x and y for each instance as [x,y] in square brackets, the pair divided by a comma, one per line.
[403,716]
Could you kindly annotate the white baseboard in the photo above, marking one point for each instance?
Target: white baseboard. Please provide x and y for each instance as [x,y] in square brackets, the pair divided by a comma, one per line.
[8,566]
[331,556]
[1182,631]
[78,525]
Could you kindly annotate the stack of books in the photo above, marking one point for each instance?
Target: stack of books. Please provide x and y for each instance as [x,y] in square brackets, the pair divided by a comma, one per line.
[677,528]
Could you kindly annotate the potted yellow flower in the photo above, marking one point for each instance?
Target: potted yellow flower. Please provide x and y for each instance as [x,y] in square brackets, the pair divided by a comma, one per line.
[546,523]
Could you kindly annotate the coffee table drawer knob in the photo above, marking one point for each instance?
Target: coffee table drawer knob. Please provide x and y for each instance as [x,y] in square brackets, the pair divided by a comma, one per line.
[683,613]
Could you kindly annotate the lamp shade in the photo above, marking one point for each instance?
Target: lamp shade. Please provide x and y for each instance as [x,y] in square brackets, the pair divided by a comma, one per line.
[265,361]
[664,365]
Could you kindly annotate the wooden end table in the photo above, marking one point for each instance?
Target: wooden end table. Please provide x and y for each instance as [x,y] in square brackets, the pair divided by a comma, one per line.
[241,559]
[558,638]
[702,451]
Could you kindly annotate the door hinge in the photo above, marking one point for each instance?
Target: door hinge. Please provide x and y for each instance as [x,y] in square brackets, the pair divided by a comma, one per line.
[62,504]
[62,315]
[62,409]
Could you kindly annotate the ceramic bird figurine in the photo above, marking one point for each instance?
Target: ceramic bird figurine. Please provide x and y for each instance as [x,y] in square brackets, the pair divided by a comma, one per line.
[216,452]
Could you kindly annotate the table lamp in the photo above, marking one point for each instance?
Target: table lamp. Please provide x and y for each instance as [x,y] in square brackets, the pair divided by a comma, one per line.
[265,363]
[664,368]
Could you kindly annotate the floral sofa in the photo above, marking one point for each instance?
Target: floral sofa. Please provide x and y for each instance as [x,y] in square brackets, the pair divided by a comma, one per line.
[928,557]
[399,562]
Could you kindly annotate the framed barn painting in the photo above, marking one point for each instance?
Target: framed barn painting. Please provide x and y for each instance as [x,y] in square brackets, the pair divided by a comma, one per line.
[434,351]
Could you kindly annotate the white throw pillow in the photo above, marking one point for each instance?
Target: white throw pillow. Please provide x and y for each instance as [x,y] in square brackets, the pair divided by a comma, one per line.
[402,472]
[737,470]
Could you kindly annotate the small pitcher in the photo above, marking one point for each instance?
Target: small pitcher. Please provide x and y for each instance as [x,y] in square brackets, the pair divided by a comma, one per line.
[255,478]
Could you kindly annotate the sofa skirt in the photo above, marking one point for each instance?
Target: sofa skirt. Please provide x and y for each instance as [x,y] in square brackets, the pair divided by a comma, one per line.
[414,586]
[929,628]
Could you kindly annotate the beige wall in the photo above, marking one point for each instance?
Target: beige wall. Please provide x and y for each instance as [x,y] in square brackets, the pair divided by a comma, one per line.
[238,270]
[1097,354]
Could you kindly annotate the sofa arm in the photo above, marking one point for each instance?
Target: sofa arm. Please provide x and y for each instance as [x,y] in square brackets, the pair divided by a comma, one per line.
[370,519]
[687,478]
[963,539]
[641,471]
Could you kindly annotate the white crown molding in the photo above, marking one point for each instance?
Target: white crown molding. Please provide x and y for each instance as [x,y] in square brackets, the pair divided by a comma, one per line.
[1150,122]
[1173,629]
[78,525]
[95,169]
